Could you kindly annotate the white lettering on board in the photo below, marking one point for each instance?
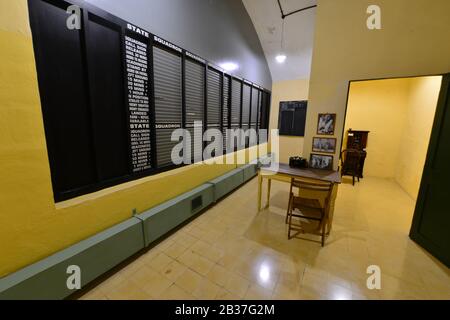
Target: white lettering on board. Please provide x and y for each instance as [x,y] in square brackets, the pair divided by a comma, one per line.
[138,30]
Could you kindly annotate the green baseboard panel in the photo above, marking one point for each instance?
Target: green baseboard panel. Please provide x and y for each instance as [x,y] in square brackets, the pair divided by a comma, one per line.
[47,279]
[250,171]
[227,183]
[162,219]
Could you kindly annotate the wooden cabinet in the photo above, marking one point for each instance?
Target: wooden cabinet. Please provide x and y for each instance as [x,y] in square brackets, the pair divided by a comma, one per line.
[357,140]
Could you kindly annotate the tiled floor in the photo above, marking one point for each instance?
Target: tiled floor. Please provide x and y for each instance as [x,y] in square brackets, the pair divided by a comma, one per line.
[231,252]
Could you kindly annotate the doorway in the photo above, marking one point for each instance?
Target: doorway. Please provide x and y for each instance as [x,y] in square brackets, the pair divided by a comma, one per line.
[401,116]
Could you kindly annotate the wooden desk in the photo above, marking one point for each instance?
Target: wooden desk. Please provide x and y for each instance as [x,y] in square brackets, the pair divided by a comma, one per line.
[285,173]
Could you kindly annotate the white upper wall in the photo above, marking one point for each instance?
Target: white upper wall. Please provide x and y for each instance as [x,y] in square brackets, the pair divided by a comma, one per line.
[298,35]
[219,31]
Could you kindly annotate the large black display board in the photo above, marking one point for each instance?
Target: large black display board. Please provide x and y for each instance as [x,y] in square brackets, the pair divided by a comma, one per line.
[112,94]
[292,118]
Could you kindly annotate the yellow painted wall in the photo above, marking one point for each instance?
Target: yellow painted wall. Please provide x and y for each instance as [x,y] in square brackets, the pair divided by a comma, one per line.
[399,114]
[31,226]
[379,107]
[291,90]
[423,98]
[413,41]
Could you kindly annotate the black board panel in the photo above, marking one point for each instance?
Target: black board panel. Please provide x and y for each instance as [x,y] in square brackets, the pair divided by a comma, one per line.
[195,95]
[168,91]
[195,106]
[168,101]
[64,99]
[106,84]
[226,111]
[236,102]
[164,145]
[265,114]
[214,98]
[196,135]
[254,107]
[138,67]
[292,118]
[260,102]
[214,103]
[246,101]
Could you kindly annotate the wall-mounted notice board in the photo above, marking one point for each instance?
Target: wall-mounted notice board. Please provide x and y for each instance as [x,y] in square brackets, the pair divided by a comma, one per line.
[292,118]
[112,94]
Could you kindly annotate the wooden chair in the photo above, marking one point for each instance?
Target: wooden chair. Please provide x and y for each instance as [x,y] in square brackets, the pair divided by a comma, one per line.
[309,209]
[351,163]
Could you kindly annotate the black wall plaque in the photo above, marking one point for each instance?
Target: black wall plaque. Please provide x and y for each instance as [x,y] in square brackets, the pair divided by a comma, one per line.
[292,118]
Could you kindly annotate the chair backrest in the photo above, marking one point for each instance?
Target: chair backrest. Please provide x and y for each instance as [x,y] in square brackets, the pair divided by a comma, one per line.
[323,188]
[351,159]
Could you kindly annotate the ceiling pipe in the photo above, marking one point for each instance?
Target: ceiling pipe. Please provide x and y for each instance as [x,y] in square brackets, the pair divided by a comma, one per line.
[283,15]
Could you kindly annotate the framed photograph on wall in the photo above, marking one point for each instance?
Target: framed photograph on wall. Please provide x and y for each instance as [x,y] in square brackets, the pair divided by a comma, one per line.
[325,145]
[326,124]
[320,161]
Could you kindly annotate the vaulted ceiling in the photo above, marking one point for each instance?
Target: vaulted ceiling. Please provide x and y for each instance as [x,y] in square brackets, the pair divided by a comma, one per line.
[298,35]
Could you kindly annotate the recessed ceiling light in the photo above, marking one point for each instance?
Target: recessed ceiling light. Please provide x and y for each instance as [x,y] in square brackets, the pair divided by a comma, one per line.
[229,66]
[281,58]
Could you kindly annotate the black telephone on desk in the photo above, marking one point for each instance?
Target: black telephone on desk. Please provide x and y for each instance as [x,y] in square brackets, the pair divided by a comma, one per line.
[298,162]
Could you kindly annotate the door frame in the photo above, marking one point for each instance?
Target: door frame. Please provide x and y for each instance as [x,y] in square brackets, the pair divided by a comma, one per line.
[444,94]
[375,79]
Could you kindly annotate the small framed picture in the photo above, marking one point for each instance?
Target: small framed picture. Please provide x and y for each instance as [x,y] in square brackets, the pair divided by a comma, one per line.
[327,123]
[325,145]
[320,161]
